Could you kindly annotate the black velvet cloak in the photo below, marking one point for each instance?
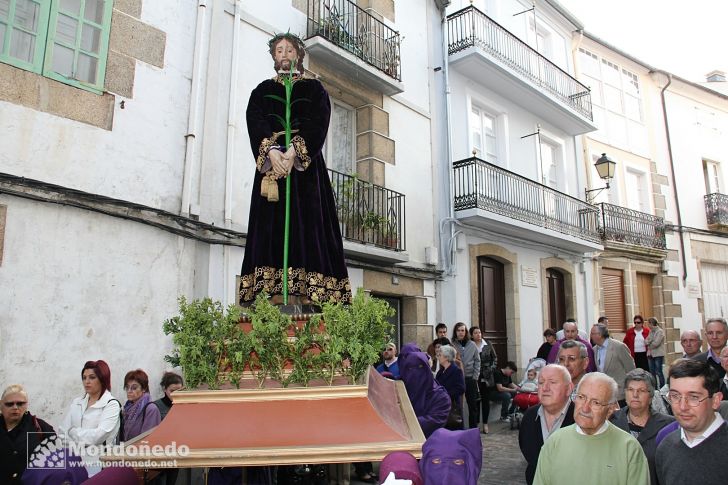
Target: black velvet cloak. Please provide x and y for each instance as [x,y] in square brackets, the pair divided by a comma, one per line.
[317,270]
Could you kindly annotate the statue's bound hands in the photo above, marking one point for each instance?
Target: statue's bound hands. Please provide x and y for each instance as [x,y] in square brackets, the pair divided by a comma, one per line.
[282,162]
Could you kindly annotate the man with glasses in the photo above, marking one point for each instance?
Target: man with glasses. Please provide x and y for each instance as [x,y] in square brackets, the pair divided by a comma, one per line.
[573,355]
[593,450]
[691,343]
[698,451]
[717,332]
[389,364]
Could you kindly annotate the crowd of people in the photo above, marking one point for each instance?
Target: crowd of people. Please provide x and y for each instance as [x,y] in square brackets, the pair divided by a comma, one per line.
[624,423]
[92,419]
[603,411]
[596,408]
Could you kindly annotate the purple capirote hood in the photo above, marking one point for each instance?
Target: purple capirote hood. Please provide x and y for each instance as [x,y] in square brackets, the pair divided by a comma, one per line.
[452,457]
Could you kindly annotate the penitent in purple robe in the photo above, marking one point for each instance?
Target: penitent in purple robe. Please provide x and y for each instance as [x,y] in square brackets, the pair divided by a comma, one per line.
[317,270]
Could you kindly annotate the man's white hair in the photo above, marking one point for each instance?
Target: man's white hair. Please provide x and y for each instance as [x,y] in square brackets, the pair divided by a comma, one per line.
[602,378]
[561,370]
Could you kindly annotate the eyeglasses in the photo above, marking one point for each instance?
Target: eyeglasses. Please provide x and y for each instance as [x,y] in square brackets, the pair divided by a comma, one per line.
[133,387]
[15,404]
[569,358]
[581,398]
[638,321]
[691,399]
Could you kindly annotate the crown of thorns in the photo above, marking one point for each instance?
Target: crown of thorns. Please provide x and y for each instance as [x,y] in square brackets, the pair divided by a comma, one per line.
[292,38]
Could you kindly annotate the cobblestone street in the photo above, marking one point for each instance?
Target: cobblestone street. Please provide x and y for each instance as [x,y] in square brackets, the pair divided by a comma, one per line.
[503,463]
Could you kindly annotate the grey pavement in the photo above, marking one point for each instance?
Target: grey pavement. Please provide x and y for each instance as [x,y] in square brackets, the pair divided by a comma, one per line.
[503,463]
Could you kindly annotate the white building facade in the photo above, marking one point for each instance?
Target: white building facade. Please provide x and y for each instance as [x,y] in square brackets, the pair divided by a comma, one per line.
[516,232]
[126,170]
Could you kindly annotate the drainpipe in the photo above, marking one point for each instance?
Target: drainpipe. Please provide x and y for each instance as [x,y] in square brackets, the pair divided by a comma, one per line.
[674,180]
[196,89]
[230,155]
[450,248]
[580,159]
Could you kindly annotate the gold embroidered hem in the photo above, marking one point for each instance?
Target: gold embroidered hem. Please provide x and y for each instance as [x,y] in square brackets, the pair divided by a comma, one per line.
[316,286]
[299,144]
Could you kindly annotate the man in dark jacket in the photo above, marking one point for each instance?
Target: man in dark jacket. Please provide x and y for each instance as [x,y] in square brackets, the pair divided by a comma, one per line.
[20,432]
[555,411]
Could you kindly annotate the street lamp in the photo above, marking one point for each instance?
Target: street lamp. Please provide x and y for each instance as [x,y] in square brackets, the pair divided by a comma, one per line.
[605,168]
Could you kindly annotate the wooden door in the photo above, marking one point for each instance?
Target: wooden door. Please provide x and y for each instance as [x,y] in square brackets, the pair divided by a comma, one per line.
[645,305]
[612,281]
[557,298]
[492,306]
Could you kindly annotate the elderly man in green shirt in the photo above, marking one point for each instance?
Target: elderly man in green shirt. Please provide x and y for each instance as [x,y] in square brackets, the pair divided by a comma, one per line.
[592,450]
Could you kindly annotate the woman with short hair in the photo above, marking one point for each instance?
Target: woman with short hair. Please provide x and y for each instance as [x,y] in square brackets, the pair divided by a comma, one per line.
[549,336]
[170,383]
[638,418]
[140,413]
[20,434]
[450,376]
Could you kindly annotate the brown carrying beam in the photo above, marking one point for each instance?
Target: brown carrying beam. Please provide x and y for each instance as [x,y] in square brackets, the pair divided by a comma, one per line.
[338,424]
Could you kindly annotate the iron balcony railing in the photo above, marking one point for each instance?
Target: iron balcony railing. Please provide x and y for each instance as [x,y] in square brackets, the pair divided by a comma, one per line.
[350,27]
[716,209]
[470,27]
[482,185]
[630,226]
[369,213]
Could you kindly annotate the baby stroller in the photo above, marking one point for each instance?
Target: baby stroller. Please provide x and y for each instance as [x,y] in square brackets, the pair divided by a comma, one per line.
[527,396]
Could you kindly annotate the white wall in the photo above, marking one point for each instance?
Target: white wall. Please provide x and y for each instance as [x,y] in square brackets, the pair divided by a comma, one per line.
[80,286]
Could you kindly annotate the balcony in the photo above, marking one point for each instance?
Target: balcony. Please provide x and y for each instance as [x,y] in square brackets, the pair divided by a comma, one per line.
[626,226]
[485,51]
[370,216]
[496,199]
[716,211]
[354,43]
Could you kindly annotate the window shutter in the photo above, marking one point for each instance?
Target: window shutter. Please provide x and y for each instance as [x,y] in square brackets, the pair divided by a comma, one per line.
[612,281]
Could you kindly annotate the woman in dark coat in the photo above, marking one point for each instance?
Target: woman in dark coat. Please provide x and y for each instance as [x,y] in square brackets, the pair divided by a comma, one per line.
[20,432]
[638,418]
[451,377]
[543,352]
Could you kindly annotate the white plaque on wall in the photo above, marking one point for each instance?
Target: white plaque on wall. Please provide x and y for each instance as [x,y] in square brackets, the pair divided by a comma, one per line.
[693,290]
[529,276]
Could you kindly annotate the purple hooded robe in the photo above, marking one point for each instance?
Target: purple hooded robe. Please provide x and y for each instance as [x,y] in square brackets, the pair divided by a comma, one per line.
[452,457]
[429,399]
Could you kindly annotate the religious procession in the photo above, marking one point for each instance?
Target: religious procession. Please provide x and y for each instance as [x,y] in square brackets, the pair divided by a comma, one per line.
[400,242]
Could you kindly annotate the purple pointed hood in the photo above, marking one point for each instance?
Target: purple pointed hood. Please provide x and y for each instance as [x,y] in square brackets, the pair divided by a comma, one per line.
[452,457]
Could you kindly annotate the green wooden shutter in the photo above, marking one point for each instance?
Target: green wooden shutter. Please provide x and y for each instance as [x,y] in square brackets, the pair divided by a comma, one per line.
[78,42]
[23,27]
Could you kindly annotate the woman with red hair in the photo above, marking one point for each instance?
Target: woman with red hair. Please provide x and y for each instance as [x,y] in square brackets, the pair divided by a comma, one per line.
[140,413]
[94,418]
